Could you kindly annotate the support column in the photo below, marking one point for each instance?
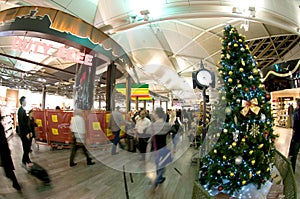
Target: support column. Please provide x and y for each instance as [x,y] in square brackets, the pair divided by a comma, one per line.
[153,102]
[43,97]
[84,84]
[137,103]
[128,93]
[110,84]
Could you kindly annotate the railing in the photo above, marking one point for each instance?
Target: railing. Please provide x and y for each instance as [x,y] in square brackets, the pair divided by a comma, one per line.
[285,169]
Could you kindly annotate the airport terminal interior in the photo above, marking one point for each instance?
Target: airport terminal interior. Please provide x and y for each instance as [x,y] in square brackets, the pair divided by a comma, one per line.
[222,77]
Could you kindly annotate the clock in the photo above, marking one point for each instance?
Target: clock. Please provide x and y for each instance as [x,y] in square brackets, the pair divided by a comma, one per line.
[203,78]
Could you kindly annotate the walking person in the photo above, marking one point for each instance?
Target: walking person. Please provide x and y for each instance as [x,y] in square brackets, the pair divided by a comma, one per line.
[159,130]
[291,114]
[77,127]
[142,123]
[115,122]
[175,125]
[32,126]
[295,142]
[24,132]
[5,158]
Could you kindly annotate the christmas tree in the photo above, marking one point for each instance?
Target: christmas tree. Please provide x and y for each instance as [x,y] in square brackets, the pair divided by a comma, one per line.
[244,152]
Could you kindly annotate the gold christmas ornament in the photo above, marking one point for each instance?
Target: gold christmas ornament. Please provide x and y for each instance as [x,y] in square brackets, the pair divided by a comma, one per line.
[225,130]
[235,119]
[253,162]
[260,146]
[250,152]
[251,77]
[250,175]
[228,56]
[241,70]
[223,98]
[250,105]
[224,157]
[230,73]
[235,45]
[260,86]
[243,140]
[234,144]
[222,56]
[258,172]
[231,174]
[215,151]
[243,63]
[230,80]
[255,71]
[219,171]
[220,72]
[268,169]
[239,85]
[244,182]
[240,40]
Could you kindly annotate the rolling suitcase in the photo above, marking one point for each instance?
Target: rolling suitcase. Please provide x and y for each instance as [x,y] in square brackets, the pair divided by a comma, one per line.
[39,172]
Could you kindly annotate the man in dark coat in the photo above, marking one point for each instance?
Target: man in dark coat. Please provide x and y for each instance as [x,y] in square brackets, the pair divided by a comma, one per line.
[5,158]
[24,133]
[295,142]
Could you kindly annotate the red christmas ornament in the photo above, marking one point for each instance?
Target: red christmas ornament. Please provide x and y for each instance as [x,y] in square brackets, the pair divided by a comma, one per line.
[228,48]
[254,88]
[262,180]
[246,89]
[220,188]
[266,134]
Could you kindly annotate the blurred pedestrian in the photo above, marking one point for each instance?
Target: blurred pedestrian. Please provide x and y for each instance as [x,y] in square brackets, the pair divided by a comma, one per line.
[159,130]
[142,123]
[5,158]
[115,122]
[32,126]
[77,127]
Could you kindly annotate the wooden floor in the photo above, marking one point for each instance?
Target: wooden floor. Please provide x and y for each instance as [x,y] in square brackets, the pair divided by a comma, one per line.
[105,179]
[99,180]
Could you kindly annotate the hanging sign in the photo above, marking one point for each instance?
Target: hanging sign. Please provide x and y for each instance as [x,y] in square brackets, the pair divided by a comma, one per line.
[67,54]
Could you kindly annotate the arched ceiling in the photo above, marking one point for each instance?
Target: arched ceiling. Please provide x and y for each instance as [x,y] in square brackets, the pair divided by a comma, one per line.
[177,34]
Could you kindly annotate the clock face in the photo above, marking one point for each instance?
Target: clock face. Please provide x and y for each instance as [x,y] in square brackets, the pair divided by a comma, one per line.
[204,77]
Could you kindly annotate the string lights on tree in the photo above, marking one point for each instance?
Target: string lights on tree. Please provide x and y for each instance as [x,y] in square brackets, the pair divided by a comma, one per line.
[244,153]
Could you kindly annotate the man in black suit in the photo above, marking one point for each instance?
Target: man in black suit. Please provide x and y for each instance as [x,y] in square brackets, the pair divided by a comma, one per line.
[24,133]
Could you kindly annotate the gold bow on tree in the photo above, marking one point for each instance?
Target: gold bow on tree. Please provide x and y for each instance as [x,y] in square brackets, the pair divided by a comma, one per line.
[250,105]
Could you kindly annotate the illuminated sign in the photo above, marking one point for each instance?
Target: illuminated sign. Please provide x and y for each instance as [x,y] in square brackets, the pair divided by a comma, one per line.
[67,54]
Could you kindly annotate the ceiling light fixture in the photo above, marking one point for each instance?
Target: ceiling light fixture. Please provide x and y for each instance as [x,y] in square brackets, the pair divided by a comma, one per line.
[249,13]
[145,13]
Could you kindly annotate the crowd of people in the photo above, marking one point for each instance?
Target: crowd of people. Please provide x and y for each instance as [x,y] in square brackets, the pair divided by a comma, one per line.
[153,130]
[144,127]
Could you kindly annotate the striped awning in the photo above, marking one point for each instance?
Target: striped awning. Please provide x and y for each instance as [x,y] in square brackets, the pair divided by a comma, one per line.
[140,91]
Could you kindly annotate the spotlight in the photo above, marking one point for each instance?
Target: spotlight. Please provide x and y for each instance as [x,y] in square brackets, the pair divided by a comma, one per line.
[252,11]
[145,13]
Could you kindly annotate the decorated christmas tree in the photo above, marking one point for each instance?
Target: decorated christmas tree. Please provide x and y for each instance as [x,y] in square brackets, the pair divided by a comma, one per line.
[244,152]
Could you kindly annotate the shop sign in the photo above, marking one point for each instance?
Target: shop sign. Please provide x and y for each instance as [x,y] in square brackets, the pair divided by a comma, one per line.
[68,54]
